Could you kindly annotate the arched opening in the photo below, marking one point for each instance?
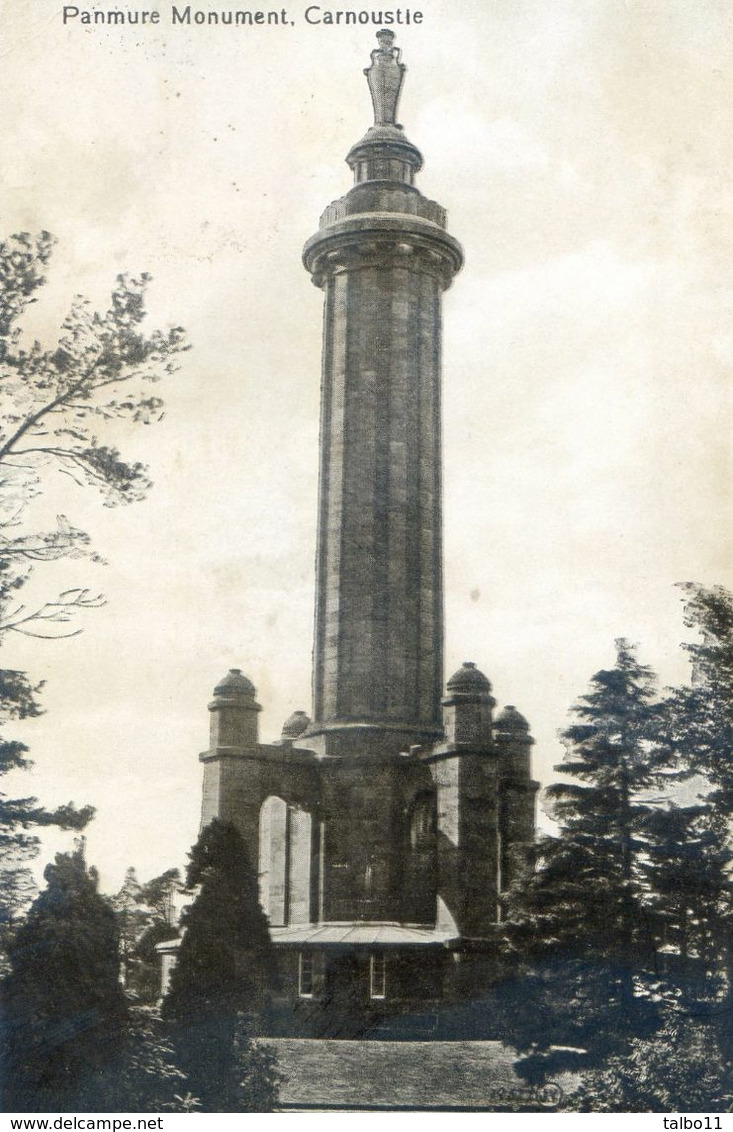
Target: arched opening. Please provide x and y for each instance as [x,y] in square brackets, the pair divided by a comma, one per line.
[285,864]
[274,859]
[422,823]
[300,840]
[421,873]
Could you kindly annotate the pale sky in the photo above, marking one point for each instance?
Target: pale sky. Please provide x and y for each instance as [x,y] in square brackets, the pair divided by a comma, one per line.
[583,151]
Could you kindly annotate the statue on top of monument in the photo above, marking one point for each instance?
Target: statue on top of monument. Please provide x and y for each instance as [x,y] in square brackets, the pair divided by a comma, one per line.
[385,78]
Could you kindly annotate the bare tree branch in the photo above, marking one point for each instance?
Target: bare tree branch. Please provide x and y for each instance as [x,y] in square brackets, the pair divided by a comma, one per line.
[52,402]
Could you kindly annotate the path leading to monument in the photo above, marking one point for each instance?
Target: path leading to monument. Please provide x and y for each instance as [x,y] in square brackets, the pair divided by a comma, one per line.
[364,1075]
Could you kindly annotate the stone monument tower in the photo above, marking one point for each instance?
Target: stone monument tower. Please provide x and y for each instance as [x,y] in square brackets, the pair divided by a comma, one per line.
[386,827]
[383,258]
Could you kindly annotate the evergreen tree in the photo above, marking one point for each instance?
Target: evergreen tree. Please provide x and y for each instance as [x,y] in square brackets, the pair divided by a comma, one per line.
[158,898]
[624,923]
[65,1005]
[17,892]
[131,921]
[578,918]
[608,754]
[145,917]
[701,713]
[686,868]
[160,893]
[145,979]
[21,818]
[57,408]
[222,976]
[690,850]
[584,897]
[679,1069]
[142,1076]
[623,920]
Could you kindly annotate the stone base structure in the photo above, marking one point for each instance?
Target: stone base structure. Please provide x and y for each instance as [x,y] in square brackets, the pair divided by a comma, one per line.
[381,870]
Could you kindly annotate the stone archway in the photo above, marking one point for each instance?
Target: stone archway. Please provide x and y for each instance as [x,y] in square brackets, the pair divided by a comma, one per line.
[285,861]
[420,890]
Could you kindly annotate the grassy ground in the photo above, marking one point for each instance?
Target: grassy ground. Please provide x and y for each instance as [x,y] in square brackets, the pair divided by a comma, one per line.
[345,1075]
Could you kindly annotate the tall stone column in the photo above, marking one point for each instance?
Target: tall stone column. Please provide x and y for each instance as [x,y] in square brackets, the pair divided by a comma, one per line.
[383,258]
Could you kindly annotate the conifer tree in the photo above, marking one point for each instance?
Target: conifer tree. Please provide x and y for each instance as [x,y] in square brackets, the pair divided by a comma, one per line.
[578,919]
[678,1069]
[131,921]
[153,920]
[66,1010]
[701,713]
[585,894]
[58,405]
[690,849]
[145,917]
[623,924]
[221,979]
[608,755]
[686,870]
[159,895]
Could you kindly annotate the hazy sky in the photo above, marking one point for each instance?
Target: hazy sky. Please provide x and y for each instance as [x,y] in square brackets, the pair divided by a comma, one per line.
[583,150]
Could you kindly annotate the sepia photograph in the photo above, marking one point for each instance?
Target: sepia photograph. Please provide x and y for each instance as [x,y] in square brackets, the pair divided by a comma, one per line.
[366,577]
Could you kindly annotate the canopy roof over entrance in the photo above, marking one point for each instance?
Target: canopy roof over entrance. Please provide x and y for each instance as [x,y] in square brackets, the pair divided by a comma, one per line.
[359,934]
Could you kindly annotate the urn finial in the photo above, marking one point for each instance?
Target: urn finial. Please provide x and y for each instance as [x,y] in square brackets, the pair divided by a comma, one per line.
[385,77]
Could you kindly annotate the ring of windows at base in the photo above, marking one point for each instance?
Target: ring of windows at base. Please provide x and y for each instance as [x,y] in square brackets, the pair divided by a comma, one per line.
[377,975]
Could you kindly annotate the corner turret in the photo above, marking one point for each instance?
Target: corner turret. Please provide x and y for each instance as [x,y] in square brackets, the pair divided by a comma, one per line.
[467,709]
[513,742]
[294,726]
[234,712]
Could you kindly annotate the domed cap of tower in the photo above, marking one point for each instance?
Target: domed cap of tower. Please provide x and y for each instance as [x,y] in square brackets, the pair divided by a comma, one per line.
[468,681]
[295,725]
[512,721]
[235,686]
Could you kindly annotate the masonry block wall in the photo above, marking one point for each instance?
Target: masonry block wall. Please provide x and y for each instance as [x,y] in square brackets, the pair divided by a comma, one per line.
[383,258]
[430,834]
